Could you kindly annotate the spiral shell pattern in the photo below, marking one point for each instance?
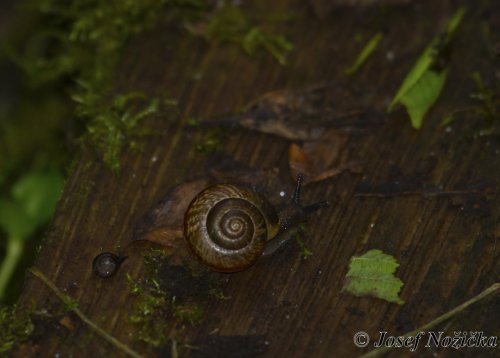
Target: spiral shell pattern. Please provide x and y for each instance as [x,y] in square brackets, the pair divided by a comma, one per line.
[227,226]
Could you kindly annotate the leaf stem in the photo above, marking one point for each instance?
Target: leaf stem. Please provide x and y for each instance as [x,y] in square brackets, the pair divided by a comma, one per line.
[70,302]
[12,256]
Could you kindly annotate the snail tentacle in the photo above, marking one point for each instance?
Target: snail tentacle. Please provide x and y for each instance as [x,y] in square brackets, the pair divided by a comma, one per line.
[293,214]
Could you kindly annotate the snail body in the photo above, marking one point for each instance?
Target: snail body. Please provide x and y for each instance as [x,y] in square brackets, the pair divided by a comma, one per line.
[227,226]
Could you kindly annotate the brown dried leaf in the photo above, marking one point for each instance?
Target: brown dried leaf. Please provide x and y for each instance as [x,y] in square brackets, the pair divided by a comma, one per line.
[318,161]
[298,161]
[163,223]
[67,323]
[307,113]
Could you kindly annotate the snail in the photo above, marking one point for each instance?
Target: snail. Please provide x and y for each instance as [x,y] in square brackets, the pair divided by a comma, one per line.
[106,264]
[229,226]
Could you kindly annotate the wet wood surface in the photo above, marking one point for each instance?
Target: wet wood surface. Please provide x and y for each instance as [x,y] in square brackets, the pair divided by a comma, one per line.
[447,245]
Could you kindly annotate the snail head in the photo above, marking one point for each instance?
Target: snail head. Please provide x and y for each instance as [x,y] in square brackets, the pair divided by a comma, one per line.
[296,213]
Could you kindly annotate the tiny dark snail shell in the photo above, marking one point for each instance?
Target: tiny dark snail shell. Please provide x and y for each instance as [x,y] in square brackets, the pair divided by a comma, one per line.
[106,264]
[228,226]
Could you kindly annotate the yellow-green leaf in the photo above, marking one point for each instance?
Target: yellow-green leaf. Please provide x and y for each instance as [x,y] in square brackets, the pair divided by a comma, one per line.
[423,84]
[422,95]
[364,54]
[373,274]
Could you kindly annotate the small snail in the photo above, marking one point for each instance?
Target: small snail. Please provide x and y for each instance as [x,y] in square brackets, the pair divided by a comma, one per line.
[106,264]
[228,227]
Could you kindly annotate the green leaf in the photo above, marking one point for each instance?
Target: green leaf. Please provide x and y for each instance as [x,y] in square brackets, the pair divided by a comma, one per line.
[423,95]
[33,201]
[364,54]
[423,84]
[373,274]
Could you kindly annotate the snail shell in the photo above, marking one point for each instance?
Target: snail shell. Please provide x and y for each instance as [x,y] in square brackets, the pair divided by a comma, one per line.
[227,226]
[106,264]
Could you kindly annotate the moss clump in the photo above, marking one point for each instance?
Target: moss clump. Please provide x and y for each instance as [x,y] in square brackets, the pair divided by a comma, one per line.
[82,41]
[113,125]
[488,111]
[212,141]
[304,250]
[14,328]
[188,313]
[169,300]
[229,23]
[150,313]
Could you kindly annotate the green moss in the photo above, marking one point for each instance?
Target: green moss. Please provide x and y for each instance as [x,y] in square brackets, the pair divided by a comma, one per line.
[229,23]
[149,313]
[191,314]
[486,110]
[112,125]
[486,96]
[170,298]
[14,329]
[83,41]
[305,252]
[212,141]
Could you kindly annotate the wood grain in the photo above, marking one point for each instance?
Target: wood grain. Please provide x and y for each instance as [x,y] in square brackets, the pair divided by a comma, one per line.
[447,247]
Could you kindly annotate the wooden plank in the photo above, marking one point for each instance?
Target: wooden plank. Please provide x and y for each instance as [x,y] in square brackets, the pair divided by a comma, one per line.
[287,306]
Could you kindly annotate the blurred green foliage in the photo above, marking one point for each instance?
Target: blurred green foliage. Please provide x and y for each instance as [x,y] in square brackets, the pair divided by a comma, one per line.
[31,205]
[50,49]
[82,42]
[34,198]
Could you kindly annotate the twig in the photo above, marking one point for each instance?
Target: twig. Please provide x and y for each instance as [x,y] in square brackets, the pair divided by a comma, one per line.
[489,291]
[426,194]
[71,304]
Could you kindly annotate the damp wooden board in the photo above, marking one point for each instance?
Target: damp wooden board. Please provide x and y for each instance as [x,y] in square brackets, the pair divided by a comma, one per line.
[447,246]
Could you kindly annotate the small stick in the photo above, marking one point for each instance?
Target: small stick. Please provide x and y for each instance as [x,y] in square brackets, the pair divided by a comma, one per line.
[389,194]
[71,304]
[489,291]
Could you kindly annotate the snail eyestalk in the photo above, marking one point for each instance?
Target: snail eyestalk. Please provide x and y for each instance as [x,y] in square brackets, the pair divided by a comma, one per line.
[292,215]
[296,213]
[298,188]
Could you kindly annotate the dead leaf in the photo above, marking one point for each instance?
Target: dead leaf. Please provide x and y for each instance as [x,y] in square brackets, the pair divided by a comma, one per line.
[298,161]
[164,222]
[318,161]
[67,322]
[308,113]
